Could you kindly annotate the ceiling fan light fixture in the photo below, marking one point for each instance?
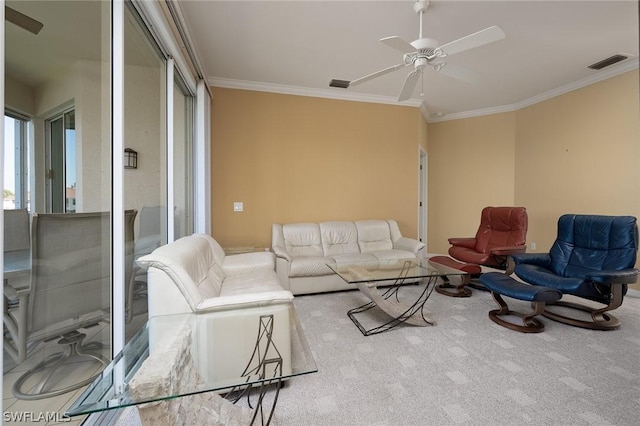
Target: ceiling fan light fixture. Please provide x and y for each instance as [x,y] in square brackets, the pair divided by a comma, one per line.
[422,52]
[439,65]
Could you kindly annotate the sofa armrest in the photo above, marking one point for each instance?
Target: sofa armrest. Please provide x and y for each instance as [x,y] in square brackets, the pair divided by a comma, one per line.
[281,252]
[246,300]
[463,242]
[540,259]
[408,244]
[625,276]
[239,264]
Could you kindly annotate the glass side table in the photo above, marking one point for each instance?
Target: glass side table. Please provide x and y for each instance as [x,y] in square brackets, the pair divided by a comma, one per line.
[186,360]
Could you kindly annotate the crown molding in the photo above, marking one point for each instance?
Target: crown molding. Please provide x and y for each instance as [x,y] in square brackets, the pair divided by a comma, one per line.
[626,66]
[341,94]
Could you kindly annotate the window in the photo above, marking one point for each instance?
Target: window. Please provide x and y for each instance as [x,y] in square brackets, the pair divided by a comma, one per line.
[61,174]
[16,164]
[183,105]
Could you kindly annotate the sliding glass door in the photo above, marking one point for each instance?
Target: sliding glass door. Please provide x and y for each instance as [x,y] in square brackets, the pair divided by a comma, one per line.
[145,186]
[58,94]
[91,87]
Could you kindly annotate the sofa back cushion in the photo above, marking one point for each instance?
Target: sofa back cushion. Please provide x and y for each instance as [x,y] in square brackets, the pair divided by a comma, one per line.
[339,238]
[302,239]
[373,235]
[191,264]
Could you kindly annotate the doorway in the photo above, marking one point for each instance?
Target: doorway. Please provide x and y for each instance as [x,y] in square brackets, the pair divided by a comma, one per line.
[422,197]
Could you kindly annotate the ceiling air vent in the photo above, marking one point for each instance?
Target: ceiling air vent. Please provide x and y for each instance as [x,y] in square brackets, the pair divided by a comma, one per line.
[607,62]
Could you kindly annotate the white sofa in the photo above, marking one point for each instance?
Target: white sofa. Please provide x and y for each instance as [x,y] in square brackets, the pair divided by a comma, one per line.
[193,274]
[226,294]
[303,251]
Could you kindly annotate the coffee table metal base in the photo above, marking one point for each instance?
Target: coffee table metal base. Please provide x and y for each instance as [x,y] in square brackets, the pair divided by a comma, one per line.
[388,302]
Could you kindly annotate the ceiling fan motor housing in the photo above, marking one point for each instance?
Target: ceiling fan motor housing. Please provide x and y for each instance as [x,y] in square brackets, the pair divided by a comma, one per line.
[425,43]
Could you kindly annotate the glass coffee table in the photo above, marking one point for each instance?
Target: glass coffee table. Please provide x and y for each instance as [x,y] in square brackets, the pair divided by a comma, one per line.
[195,355]
[369,276]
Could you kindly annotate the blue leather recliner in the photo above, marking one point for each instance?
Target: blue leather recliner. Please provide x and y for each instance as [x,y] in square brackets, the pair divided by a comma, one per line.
[592,258]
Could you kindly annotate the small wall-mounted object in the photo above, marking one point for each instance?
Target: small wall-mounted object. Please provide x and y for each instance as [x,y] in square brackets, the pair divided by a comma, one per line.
[130,159]
[238,206]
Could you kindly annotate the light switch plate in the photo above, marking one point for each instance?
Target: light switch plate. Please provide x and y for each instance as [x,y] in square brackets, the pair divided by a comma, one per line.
[238,206]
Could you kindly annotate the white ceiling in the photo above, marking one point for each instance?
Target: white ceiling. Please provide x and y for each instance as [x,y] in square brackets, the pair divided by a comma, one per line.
[299,46]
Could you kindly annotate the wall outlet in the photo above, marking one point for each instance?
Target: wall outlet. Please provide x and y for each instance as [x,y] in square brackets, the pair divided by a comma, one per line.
[238,206]
[532,246]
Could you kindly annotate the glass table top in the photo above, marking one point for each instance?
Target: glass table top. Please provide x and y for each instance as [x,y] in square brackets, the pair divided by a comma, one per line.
[208,343]
[381,270]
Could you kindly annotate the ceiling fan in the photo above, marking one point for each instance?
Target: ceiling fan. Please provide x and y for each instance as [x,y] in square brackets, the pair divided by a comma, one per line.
[425,52]
[23,21]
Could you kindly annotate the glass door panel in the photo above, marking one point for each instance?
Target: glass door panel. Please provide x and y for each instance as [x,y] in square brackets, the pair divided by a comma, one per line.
[69,155]
[145,188]
[183,128]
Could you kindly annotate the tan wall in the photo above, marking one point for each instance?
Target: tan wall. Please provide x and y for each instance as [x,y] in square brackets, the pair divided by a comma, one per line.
[471,166]
[579,153]
[296,159]
[575,153]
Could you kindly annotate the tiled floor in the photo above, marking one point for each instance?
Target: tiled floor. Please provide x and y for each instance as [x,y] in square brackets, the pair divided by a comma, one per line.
[76,370]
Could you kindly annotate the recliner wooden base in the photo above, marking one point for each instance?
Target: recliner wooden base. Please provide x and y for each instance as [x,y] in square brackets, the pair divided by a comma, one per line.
[601,319]
[530,324]
[460,290]
[539,296]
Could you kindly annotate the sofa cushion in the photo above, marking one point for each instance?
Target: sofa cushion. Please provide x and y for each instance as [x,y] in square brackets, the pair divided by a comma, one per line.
[302,239]
[258,282]
[385,255]
[348,258]
[339,237]
[248,263]
[310,266]
[374,235]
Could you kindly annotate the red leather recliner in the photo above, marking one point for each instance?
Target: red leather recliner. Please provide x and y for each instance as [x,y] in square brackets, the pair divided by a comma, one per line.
[502,231]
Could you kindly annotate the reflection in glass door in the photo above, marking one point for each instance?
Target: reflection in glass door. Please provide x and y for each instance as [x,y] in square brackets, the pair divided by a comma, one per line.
[16,163]
[145,187]
[183,106]
[68,159]
[62,163]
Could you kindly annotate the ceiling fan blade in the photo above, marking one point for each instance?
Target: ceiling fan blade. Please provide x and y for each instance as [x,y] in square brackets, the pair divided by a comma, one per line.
[377,74]
[459,73]
[22,20]
[482,37]
[409,85]
[397,43]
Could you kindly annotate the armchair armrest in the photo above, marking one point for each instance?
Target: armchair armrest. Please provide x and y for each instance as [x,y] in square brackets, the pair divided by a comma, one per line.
[463,242]
[408,244]
[281,252]
[540,259]
[238,264]
[625,276]
[505,251]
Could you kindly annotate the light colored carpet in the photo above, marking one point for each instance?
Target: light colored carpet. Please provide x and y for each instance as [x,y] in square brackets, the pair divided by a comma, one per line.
[463,370]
